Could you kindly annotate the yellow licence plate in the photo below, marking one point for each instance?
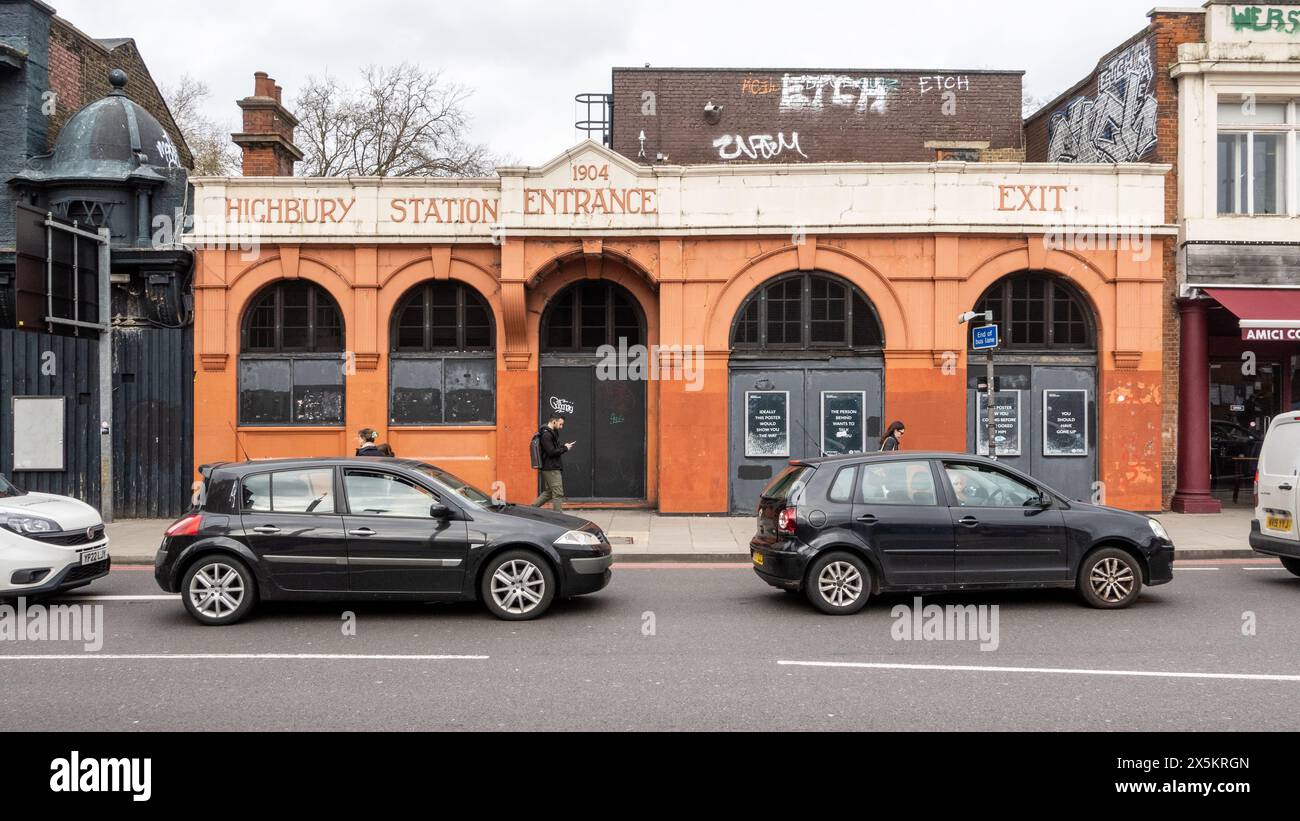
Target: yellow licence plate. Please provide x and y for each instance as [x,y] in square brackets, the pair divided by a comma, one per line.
[1279,523]
[758,557]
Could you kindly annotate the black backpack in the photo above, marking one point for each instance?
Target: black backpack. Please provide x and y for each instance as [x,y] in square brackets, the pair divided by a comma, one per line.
[535,450]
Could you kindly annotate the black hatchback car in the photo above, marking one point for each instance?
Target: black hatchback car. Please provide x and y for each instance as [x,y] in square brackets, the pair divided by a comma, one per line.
[843,528]
[370,528]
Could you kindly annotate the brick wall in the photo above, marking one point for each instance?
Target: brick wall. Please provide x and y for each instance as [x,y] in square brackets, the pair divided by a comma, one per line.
[877,116]
[79,67]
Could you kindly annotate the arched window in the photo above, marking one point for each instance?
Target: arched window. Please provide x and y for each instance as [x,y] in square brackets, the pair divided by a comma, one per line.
[442,369]
[587,315]
[290,361]
[1039,311]
[806,311]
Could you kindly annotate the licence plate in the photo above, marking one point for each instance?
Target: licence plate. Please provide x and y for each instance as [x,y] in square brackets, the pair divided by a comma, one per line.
[758,558]
[96,555]
[1279,523]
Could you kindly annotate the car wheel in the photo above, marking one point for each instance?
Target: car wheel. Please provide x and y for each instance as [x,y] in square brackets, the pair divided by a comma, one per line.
[839,584]
[518,585]
[218,590]
[1291,564]
[1110,579]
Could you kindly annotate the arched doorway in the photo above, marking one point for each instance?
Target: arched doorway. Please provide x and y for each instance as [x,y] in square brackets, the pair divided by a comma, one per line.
[806,378]
[586,323]
[1045,367]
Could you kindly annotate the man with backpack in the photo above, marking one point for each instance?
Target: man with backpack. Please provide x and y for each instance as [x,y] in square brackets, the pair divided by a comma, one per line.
[547,451]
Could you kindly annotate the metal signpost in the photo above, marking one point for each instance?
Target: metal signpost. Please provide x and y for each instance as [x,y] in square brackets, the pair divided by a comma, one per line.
[985,338]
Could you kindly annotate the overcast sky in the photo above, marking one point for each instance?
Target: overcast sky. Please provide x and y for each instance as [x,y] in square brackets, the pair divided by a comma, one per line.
[526,60]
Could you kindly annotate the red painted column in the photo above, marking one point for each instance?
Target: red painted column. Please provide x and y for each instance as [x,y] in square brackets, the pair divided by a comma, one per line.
[1193,492]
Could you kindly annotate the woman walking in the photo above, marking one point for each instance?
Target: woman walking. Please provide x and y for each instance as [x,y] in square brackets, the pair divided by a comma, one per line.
[893,435]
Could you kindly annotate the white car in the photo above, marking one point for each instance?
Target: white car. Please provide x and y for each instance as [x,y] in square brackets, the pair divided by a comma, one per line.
[1274,529]
[48,543]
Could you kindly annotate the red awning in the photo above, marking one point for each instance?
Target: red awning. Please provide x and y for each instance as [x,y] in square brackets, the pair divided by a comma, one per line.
[1265,313]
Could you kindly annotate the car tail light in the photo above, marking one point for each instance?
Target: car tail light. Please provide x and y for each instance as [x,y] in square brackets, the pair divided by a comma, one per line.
[1254,493]
[785,519]
[185,526]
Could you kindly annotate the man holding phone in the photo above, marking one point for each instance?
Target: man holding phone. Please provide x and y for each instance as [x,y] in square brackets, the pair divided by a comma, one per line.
[552,452]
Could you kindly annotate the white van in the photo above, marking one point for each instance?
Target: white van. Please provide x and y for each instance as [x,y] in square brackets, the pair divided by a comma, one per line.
[48,543]
[1275,530]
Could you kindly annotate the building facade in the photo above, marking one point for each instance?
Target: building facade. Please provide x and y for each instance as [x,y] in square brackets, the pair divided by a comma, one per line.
[697,325]
[1212,92]
[86,139]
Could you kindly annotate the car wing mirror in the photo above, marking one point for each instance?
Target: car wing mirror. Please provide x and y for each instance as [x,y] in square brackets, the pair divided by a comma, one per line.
[439,511]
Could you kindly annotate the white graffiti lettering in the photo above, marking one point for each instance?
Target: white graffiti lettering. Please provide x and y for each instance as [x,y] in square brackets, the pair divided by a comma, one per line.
[807,92]
[1119,123]
[758,146]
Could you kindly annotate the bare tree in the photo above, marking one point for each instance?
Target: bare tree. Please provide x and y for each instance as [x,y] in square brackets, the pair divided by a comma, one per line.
[1030,103]
[401,121]
[209,141]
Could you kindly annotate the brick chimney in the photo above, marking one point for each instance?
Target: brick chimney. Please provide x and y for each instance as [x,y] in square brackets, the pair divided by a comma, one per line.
[267,138]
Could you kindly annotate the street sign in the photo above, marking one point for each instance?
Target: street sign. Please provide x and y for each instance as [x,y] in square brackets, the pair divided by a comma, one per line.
[984,337]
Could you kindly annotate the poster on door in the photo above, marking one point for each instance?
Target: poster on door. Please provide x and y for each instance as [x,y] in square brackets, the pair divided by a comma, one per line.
[1065,423]
[1006,423]
[767,423]
[843,425]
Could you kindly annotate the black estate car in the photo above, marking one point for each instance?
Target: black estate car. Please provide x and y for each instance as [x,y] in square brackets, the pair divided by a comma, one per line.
[370,528]
[843,528]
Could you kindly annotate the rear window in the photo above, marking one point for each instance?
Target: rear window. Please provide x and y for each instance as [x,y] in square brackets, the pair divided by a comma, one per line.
[1281,456]
[787,483]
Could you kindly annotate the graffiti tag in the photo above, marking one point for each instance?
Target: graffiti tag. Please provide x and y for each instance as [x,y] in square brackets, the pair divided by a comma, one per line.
[809,92]
[1119,124]
[757,146]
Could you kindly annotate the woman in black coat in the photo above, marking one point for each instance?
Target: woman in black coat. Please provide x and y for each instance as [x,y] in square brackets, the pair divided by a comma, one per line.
[893,435]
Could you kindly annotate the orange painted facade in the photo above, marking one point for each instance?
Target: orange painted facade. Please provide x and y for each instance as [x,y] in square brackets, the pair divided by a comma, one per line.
[689,289]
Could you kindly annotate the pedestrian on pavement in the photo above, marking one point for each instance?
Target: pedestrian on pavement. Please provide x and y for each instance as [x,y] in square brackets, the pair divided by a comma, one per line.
[366,442]
[893,435]
[385,449]
[548,453]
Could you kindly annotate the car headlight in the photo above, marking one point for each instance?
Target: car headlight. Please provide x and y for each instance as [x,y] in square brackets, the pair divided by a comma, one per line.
[1159,530]
[579,537]
[23,524]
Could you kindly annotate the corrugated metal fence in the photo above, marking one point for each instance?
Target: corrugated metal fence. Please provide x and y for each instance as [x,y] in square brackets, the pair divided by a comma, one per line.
[153,404]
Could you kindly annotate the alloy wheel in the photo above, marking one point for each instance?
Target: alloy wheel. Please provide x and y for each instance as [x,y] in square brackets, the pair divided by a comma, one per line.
[216,590]
[518,586]
[840,583]
[1111,579]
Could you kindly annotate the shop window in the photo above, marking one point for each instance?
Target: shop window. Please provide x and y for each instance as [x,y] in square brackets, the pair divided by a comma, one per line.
[1253,140]
[806,311]
[587,315]
[1040,312]
[442,370]
[290,364]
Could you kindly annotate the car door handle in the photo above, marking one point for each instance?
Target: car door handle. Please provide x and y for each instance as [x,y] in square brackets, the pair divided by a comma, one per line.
[267,529]
[1283,487]
[361,531]
[968,521]
[867,518]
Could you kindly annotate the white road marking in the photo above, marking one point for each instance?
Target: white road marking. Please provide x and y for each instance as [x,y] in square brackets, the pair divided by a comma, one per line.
[1263,568]
[141,597]
[1060,670]
[234,657]
[1184,569]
